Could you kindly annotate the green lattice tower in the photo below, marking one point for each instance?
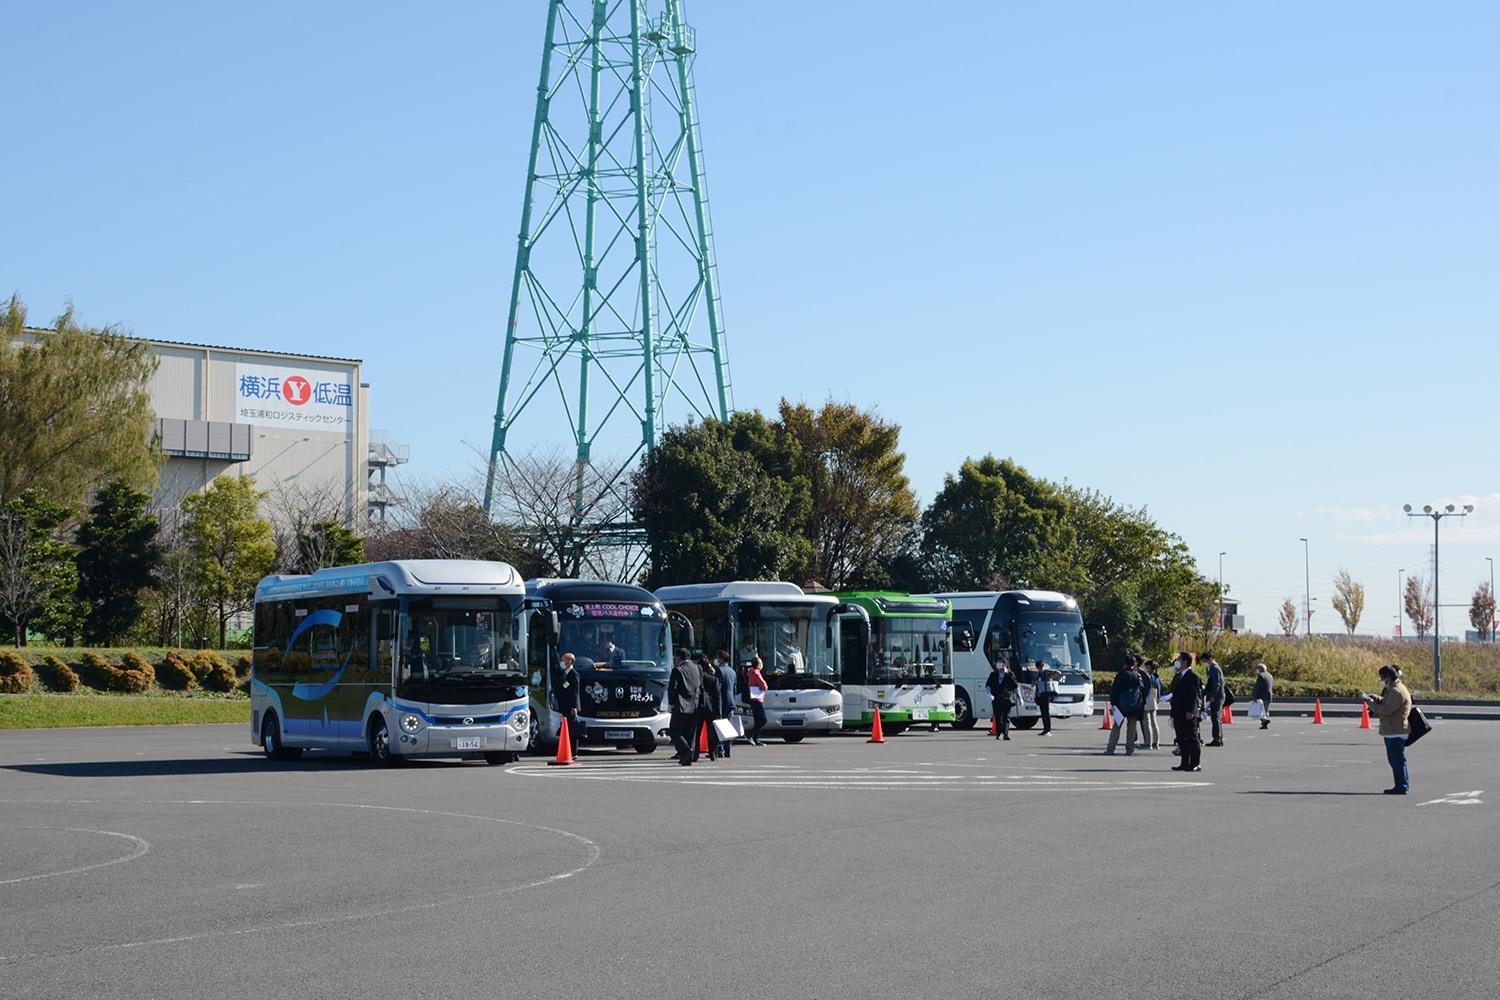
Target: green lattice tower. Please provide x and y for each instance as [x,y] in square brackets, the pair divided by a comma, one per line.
[614,303]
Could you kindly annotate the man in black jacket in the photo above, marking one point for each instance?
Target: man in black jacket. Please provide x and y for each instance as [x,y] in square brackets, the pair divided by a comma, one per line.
[570,701]
[708,710]
[1187,704]
[1128,694]
[1001,685]
[682,701]
[1213,696]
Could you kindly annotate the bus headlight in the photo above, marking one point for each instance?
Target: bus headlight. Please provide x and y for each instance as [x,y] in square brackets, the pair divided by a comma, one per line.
[520,721]
[411,723]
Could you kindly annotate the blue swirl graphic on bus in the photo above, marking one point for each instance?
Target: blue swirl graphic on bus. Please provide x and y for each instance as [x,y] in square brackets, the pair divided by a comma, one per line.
[313,692]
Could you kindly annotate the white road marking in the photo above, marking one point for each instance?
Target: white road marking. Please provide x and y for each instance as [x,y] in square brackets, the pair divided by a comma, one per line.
[595,852]
[141,847]
[1457,799]
[876,779]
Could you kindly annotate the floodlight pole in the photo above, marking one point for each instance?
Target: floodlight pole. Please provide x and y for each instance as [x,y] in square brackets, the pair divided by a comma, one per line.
[1437,605]
[1307,594]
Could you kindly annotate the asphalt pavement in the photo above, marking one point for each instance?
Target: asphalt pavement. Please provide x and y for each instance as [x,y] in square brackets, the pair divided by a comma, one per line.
[175,862]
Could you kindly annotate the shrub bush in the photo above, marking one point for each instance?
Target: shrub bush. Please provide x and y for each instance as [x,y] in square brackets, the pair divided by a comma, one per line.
[16,675]
[220,677]
[129,680]
[135,662]
[204,663]
[174,674]
[57,675]
[96,672]
[242,667]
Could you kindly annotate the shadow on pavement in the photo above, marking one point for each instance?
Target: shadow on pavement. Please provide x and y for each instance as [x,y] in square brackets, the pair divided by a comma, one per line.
[1264,791]
[247,763]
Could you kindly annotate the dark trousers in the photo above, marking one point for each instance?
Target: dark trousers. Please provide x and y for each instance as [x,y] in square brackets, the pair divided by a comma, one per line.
[1001,709]
[1044,705]
[758,712]
[1395,753]
[1191,742]
[1216,721]
[699,725]
[681,729]
[575,731]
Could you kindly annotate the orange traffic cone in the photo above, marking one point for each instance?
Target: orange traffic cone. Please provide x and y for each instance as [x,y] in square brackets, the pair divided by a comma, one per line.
[1364,716]
[703,738]
[877,735]
[1317,711]
[564,747]
[1228,716]
[1109,722]
[994,721]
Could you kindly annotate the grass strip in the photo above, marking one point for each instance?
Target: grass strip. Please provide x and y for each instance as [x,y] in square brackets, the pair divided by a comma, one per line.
[51,711]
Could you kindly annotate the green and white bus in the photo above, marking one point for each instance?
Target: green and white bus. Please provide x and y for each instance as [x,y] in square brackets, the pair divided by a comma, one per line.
[906,665]
[397,659]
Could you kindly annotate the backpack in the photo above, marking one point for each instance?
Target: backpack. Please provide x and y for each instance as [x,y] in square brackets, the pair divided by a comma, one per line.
[1228,696]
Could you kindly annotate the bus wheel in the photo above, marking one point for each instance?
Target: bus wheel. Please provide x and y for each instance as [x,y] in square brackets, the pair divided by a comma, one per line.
[793,737]
[270,740]
[646,747]
[379,741]
[533,735]
[496,759]
[1025,721]
[895,728]
[963,711]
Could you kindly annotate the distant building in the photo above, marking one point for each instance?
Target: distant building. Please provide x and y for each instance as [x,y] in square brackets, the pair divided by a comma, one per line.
[1230,619]
[294,422]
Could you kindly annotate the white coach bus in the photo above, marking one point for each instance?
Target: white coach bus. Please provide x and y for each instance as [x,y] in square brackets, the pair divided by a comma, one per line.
[1022,626]
[395,659]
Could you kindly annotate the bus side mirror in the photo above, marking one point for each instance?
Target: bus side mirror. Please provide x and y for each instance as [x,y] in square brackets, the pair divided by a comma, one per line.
[1102,632]
[963,636]
[554,628]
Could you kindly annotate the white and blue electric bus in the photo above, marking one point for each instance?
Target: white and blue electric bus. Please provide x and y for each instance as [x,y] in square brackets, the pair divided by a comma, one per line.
[395,659]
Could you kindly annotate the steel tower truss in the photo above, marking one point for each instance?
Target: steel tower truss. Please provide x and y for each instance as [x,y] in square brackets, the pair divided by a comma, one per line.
[614,307]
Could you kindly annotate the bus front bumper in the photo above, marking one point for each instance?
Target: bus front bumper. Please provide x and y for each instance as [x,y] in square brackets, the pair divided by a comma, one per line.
[454,741]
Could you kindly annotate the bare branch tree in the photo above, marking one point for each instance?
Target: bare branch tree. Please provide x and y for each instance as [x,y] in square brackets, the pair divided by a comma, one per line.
[1348,599]
[1482,612]
[24,583]
[1289,619]
[574,517]
[1419,608]
[297,512]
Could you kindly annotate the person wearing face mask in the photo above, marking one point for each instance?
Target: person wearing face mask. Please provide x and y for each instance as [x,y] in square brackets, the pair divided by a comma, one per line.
[1393,706]
[1187,704]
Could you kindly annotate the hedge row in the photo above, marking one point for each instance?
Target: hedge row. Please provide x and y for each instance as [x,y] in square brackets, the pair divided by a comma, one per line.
[131,673]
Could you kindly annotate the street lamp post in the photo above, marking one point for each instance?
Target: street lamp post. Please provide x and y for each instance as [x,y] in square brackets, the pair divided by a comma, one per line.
[1437,607]
[1307,594]
[1400,574]
[1491,561]
[1221,591]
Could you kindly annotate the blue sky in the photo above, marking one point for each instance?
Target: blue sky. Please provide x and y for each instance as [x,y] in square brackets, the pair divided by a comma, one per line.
[1236,262]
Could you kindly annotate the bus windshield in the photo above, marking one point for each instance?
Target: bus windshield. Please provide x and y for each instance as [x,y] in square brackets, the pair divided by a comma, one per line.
[615,636]
[791,641]
[909,649]
[457,651]
[1057,640]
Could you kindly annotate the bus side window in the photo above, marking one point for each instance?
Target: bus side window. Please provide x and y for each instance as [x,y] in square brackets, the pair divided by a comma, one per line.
[536,656]
[997,645]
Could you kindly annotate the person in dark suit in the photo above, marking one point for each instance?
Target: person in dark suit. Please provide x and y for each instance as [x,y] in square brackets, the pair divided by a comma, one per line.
[1213,696]
[682,701]
[709,688]
[1187,705]
[570,700]
[1001,684]
[1046,687]
[728,694]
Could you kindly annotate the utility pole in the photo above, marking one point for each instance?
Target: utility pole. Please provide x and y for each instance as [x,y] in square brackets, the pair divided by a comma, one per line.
[1307,594]
[1437,607]
[1491,561]
[1221,591]
[1400,577]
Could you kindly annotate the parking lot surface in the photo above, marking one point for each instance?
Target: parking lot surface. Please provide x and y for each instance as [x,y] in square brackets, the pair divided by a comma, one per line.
[175,862]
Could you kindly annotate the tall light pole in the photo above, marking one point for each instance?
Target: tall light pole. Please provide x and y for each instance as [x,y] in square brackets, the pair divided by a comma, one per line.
[1491,561]
[1307,594]
[1437,607]
[1400,575]
[1221,590]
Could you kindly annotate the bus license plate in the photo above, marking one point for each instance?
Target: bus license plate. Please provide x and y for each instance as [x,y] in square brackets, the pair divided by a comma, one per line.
[618,734]
[468,742]
[791,720]
[919,714]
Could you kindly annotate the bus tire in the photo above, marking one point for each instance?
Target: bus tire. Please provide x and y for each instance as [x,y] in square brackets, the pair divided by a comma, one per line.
[793,737]
[533,735]
[645,747]
[1025,721]
[894,728]
[963,711]
[270,740]
[378,740]
[496,759]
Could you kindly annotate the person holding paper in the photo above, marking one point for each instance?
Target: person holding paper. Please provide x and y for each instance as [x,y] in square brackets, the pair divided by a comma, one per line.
[756,684]
[1393,706]
[727,696]
[1046,687]
[1126,697]
[1187,706]
[1002,687]
[1150,731]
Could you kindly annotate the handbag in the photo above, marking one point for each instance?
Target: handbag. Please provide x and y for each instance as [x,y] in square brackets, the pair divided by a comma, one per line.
[728,729]
[1228,696]
[1257,710]
[1417,726]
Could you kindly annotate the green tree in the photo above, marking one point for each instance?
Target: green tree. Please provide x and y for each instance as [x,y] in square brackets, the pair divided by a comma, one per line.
[995,521]
[1482,611]
[76,412]
[328,543]
[232,547]
[862,506]
[36,573]
[723,501]
[118,554]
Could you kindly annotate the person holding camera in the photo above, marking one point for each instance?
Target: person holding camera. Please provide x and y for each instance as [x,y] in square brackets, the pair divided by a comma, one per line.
[1393,706]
